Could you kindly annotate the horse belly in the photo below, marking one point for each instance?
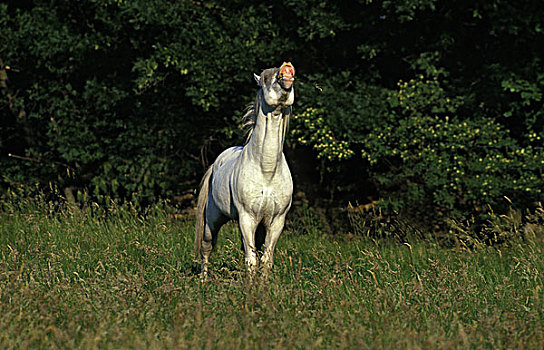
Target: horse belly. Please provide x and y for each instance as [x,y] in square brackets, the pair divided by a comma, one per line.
[221,194]
[226,206]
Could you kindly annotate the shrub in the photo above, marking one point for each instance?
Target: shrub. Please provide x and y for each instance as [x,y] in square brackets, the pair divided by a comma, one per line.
[310,129]
[427,157]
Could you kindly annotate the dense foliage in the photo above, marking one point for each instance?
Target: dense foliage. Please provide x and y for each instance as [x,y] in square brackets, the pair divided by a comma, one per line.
[428,106]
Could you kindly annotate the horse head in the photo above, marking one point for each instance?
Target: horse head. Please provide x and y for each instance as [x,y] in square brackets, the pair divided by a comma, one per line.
[277,85]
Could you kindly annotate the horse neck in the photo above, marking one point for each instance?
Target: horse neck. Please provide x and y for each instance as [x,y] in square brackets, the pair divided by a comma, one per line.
[265,147]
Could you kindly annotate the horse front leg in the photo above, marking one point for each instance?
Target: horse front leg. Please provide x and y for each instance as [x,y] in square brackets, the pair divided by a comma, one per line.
[248,225]
[273,234]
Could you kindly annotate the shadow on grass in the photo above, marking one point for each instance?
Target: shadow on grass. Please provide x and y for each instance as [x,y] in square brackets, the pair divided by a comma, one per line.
[220,271]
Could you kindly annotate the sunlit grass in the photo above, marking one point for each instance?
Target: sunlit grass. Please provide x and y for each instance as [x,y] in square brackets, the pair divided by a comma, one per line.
[117,279]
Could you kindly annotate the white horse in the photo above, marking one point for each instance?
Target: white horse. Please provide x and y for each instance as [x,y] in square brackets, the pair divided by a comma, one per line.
[251,184]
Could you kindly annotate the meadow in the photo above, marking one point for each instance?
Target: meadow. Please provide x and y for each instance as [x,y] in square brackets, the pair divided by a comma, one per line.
[118,279]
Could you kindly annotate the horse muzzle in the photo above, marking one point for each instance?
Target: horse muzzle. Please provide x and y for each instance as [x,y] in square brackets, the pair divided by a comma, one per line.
[286,75]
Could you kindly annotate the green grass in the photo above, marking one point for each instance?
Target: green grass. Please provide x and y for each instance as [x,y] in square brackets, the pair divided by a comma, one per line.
[85,280]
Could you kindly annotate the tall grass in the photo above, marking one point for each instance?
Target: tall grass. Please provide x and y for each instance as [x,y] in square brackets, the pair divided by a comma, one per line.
[96,278]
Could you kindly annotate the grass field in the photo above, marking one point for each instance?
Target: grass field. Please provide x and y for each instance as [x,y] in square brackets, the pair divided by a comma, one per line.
[90,279]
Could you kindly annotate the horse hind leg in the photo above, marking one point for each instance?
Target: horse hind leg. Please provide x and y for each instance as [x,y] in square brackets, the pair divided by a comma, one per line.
[208,244]
[214,220]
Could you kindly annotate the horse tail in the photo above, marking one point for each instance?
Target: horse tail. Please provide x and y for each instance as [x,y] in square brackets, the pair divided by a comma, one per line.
[201,211]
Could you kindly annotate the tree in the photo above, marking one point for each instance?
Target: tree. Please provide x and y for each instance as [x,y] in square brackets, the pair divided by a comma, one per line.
[117,97]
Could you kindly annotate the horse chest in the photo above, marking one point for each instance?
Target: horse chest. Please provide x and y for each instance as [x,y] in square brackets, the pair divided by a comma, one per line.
[266,199]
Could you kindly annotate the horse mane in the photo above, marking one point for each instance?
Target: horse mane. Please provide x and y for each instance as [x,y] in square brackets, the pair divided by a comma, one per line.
[252,111]
[250,117]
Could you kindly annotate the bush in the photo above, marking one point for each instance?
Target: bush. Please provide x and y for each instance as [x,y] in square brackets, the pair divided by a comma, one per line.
[430,160]
[310,129]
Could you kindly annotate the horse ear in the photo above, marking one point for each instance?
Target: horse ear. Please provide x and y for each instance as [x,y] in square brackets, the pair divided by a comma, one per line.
[257,79]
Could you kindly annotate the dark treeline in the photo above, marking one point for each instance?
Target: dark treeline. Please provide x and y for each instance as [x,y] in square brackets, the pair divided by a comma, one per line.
[429,107]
